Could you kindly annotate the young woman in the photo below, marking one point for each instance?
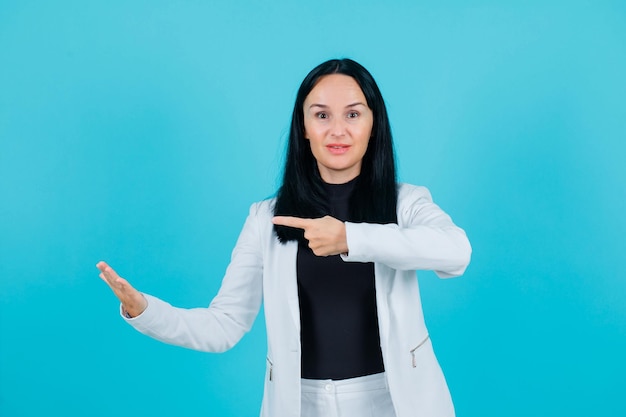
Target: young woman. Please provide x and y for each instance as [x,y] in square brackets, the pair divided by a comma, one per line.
[333,257]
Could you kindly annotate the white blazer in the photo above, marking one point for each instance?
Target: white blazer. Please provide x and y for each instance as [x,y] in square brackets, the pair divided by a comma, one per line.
[263,269]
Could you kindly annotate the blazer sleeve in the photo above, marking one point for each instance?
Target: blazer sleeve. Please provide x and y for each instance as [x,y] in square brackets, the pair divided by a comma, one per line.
[231,313]
[425,238]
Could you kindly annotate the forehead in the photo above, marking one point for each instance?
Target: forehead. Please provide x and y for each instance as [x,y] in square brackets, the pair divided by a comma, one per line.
[335,89]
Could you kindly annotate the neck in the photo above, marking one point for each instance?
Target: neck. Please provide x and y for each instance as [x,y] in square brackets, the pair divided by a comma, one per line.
[338,177]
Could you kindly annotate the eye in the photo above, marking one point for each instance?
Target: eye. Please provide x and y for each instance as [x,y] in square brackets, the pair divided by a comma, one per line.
[321,115]
[353,115]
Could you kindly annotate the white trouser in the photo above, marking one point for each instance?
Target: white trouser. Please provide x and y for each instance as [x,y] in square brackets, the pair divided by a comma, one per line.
[365,396]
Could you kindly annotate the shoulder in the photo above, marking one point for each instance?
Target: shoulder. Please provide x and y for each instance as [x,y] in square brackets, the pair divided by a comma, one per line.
[412,200]
[263,208]
[409,194]
[416,206]
[259,220]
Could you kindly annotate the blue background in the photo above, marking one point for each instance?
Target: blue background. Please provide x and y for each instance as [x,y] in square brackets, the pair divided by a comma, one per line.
[140,132]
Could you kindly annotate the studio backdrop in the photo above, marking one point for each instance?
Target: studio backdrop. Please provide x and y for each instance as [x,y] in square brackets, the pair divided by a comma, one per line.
[139,132]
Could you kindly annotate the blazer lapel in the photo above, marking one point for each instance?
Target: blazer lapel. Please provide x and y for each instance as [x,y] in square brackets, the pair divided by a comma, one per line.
[285,261]
[290,280]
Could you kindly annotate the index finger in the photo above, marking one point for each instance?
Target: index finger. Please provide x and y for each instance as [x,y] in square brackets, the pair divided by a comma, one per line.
[291,221]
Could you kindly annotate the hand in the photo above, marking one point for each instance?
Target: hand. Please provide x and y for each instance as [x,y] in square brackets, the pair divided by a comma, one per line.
[132,301]
[326,235]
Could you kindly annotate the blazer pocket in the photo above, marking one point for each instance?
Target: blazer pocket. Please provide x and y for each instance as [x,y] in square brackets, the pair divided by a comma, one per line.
[270,368]
[415,350]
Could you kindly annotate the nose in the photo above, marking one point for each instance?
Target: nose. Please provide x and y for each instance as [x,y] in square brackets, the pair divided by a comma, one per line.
[338,127]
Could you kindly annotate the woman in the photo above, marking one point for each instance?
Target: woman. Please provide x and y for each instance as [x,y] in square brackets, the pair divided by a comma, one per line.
[333,257]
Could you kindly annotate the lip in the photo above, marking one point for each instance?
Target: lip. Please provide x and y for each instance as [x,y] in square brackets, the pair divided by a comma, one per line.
[337,148]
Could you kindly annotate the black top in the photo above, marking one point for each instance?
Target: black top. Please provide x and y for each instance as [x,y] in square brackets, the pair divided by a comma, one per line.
[338,317]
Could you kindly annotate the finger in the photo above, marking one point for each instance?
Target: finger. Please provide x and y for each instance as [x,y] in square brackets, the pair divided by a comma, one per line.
[290,221]
[101,265]
[109,275]
[106,270]
[115,285]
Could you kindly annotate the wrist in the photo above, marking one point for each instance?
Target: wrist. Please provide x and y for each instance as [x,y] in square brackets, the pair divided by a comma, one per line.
[134,310]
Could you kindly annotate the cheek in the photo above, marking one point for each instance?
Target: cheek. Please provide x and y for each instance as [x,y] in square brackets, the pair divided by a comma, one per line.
[366,134]
[306,127]
[309,131]
[313,133]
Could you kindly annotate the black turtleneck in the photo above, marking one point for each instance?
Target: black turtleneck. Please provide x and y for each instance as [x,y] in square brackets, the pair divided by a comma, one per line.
[339,322]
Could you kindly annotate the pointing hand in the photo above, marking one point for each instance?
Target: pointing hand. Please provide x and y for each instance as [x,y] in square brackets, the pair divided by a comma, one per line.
[326,235]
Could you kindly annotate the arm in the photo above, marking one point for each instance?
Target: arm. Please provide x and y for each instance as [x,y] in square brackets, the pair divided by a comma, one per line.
[231,313]
[425,238]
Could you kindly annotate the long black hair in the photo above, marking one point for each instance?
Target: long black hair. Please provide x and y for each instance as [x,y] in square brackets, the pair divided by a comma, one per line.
[302,194]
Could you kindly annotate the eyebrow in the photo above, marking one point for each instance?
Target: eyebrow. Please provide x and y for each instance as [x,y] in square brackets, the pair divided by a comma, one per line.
[324,106]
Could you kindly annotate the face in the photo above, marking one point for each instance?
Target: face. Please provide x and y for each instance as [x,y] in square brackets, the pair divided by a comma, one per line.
[338,124]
